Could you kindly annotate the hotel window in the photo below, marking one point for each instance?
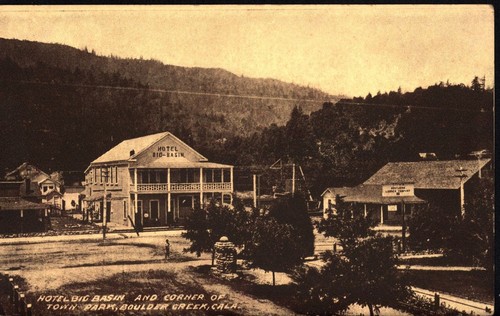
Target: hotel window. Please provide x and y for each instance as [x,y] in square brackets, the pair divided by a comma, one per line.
[217,175]
[103,175]
[111,175]
[154,176]
[163,176]
[190,175]
[226,175]
[175,176]
[116,174]
[124,209]
[208,175]
[95,174]
[143,176]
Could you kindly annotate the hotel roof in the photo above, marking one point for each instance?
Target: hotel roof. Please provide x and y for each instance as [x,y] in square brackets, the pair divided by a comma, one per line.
[428,174]
[122,151]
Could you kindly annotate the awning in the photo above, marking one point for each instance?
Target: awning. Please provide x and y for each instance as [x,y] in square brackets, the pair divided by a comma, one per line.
[371,194]
[96,197]
[174,164]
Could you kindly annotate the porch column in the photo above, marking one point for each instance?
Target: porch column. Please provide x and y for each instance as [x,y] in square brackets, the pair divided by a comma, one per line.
[381,214]
[201,187]
[169,197]
[231,179]
[365,213]
[462,199]
[136,197]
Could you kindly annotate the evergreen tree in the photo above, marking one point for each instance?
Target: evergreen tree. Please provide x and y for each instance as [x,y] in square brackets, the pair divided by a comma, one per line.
[274,246]
[293,211]
[300,138]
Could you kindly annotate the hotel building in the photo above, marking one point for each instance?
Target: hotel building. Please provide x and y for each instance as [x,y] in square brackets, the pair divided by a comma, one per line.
[155,180]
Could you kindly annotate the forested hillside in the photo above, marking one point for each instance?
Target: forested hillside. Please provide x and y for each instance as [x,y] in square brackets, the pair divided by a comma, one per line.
[343,144]
[62,107]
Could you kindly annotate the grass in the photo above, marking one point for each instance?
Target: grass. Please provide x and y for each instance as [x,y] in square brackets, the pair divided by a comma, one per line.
[473,285]
[281,295]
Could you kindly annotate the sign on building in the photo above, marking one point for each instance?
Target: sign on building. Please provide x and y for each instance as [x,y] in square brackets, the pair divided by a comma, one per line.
[392,208]
[392,190]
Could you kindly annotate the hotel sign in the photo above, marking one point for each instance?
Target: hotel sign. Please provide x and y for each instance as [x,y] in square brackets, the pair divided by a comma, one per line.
[395,190]
[167,151]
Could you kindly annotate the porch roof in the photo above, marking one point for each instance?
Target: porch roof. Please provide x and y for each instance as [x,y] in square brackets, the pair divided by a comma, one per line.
[164,165]
[96,197]
[370,194]
[18,203]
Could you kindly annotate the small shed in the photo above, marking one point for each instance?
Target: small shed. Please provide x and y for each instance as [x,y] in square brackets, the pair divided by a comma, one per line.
[18,215]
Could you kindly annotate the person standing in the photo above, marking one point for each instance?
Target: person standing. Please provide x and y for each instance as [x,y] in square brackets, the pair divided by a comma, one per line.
[167,249]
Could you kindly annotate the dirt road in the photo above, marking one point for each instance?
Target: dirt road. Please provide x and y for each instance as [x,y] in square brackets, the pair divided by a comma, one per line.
[52,265]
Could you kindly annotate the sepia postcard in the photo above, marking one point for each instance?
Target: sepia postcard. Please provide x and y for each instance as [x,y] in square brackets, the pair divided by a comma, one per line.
[247,160]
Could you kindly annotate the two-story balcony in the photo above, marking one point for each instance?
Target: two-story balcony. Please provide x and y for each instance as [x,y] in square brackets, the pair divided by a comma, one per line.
[181,187]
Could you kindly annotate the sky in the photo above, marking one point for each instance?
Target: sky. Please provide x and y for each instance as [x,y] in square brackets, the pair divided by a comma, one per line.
[340,49]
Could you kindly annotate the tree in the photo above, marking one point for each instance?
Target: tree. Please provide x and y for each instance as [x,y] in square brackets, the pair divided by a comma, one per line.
[365,274]
[429,227]
[204,227]
[346,224]
[293,211]
[197,231]
[274,246]
[476,84]
[472,237]
[299,135]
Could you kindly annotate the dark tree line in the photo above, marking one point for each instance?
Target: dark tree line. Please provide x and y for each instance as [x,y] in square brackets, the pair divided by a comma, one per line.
[56,114]
[345,143]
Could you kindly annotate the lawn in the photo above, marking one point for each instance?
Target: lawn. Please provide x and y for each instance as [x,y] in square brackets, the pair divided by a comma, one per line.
[473,285]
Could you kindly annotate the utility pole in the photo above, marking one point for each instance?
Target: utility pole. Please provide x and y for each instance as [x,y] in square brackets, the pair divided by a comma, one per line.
[403,211]
[462,195]
[293,180]
[255,190]
[105,205]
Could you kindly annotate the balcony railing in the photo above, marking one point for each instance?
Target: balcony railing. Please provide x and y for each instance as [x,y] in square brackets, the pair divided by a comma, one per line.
[181,187]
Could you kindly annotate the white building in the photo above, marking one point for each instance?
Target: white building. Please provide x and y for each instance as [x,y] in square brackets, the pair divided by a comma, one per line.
[154,180]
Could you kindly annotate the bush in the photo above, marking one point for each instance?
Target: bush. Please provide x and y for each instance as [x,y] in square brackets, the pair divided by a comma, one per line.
[429,227]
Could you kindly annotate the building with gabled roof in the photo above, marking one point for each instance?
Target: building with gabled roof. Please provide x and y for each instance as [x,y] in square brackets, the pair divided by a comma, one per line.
[429,174]
[154,180]
[21,209]
[445,184]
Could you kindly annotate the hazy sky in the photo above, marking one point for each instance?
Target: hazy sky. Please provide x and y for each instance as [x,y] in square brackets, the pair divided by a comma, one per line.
[349,50]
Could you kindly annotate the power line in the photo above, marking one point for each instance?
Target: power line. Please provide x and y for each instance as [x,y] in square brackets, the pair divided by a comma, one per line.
[169,91]
[410,107]
[255,97]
